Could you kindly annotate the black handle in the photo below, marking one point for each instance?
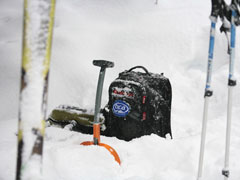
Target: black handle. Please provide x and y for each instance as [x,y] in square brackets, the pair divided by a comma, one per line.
[216,8]
[103,63]
[146,71]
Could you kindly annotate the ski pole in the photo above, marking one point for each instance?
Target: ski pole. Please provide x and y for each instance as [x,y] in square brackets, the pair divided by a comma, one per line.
[231,84]
[208,93]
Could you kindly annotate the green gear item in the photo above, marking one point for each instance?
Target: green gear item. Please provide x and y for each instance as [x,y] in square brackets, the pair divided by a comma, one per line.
[64,115]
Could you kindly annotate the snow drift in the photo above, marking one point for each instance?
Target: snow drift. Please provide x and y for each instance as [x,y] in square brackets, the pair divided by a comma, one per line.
[171,37]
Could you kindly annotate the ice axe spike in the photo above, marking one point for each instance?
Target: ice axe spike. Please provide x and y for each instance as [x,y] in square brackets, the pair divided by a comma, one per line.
[96,125]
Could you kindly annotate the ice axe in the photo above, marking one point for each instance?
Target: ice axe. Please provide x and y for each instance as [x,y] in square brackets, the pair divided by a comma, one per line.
[96,123]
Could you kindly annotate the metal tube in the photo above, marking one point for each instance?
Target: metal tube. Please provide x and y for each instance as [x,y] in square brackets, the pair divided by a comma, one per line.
[96,126]
[210,55]
[99,94]
[203,137]
[207,95]
[225,170]
[231,84]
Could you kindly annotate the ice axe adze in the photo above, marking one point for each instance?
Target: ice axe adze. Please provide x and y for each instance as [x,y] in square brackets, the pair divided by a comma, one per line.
[96,124]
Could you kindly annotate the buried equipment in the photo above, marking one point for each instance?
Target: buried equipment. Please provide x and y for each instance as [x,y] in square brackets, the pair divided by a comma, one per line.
[139,104]
[96,123]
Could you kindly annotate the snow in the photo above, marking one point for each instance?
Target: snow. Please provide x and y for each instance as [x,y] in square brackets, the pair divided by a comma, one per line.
[170,37]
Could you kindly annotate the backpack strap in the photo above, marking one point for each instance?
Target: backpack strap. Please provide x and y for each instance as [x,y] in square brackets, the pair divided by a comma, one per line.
[144,107]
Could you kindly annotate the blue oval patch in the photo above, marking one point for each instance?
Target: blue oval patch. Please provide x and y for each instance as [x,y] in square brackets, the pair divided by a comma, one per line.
[120,108]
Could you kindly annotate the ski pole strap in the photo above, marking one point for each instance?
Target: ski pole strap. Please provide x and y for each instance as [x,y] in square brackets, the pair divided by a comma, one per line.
[216,8]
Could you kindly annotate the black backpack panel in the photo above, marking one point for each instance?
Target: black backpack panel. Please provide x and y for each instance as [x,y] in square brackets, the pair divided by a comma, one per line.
[139,104]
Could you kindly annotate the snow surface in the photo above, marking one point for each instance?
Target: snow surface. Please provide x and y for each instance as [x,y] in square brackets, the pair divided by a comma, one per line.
[171,37]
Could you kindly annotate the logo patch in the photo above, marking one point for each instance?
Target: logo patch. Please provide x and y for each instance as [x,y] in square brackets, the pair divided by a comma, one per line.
[120,108]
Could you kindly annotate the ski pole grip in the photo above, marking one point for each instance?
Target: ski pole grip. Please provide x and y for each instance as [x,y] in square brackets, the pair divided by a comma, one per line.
[146,71]
[216,8]
[103,63]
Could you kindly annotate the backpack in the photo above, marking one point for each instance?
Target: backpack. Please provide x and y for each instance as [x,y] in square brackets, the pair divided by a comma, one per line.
[139,104]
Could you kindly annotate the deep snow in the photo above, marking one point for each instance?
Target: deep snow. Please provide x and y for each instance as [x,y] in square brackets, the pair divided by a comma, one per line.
[171,37]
